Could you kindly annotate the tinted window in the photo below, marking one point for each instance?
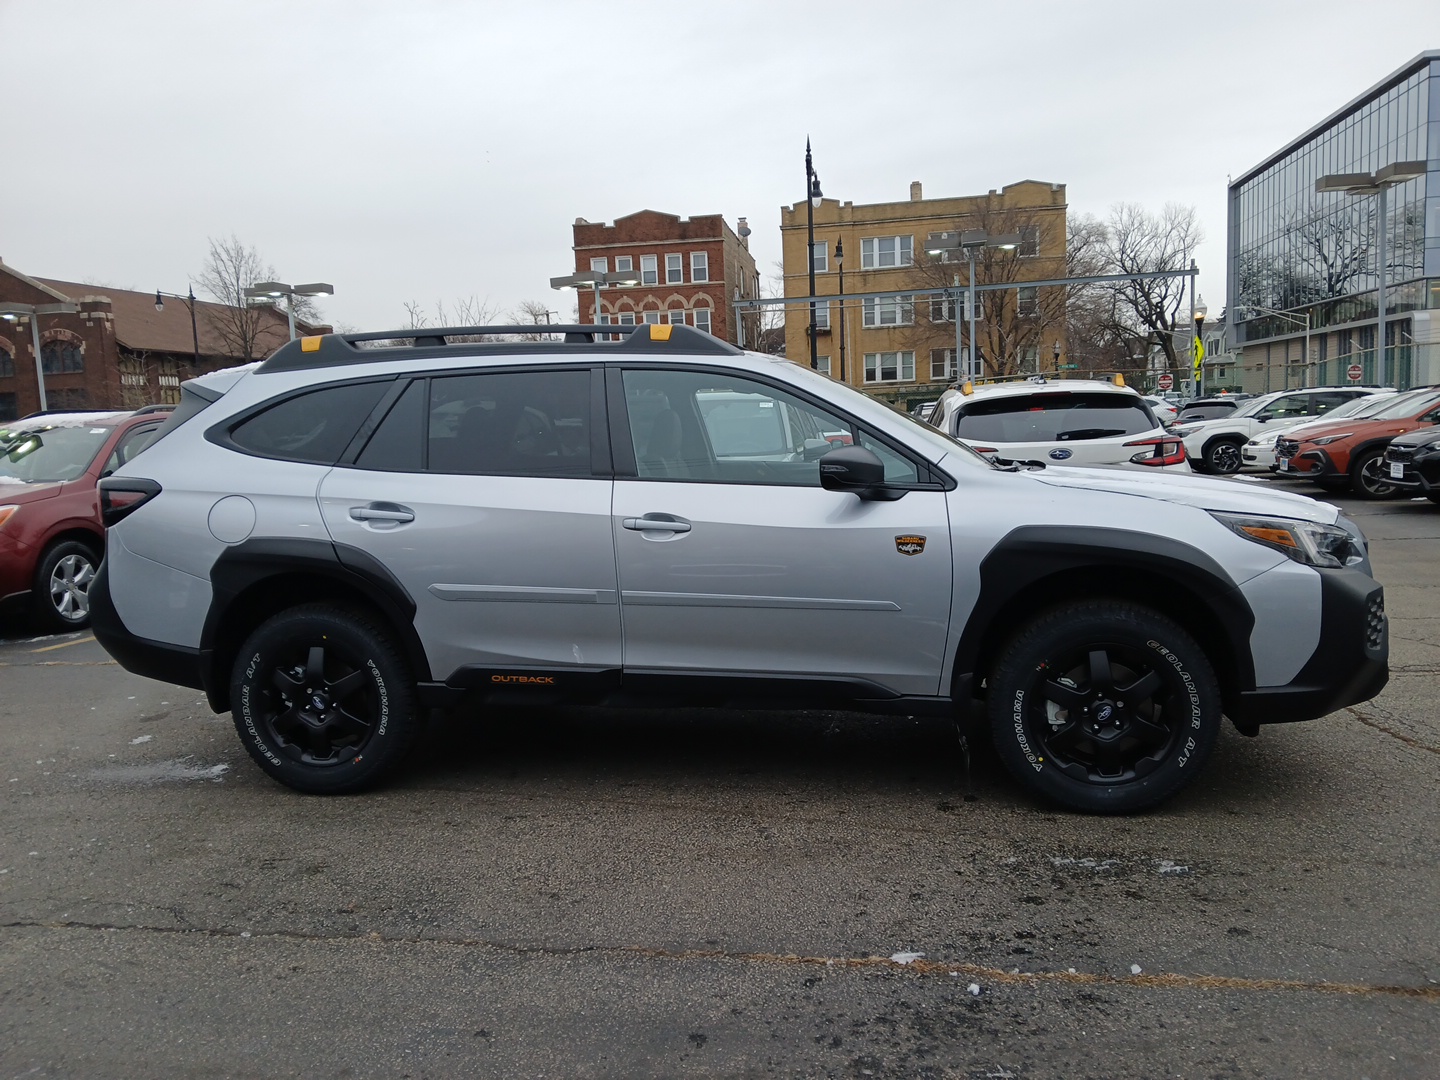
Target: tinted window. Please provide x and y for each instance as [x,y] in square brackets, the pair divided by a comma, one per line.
[398,444]
[1053,418]
[510,423]
[130,444]
[314,427]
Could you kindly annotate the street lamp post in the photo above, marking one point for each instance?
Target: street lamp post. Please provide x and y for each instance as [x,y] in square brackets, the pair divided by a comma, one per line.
[840,268]
[194,330]
[15,312]
[273,290]
[969,241]
[1376,183]
[595,279]
[812,196]
[1298,320]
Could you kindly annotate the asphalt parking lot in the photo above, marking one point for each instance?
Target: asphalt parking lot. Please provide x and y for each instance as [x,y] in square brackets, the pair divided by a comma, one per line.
[576,893]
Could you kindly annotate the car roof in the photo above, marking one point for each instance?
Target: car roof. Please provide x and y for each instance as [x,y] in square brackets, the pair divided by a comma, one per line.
[1045,386]
[49,421]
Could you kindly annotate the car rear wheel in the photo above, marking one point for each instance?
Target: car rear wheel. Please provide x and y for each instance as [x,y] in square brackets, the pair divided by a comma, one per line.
[60,596]
[1367,476]
[1222,457]
[323,701]
[1104,706]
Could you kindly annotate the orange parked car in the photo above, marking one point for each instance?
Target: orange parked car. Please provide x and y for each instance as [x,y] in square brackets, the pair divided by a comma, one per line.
[1351,453]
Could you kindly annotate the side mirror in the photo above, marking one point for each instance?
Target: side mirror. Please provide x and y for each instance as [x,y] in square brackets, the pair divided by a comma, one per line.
[856,470]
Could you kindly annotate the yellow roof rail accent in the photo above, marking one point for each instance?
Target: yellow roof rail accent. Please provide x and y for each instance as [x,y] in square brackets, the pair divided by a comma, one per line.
[967,388]
[660,331]
[310,344]
[1119,379]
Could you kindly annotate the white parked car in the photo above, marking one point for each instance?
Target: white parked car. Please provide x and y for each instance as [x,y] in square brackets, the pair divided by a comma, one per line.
[1165,411]
[1059,422]
[1259,452]
[1215,446]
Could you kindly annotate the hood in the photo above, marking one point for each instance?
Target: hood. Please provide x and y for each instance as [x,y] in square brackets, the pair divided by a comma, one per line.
[1238,495]
[1420,437]
[1363,427]
[17,492]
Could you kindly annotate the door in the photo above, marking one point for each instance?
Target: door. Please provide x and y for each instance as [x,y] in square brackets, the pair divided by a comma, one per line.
[479,492]
[733,559]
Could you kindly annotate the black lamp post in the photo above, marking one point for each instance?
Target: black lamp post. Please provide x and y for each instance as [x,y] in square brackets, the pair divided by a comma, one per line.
[840,266]
[812,194]
[190,303]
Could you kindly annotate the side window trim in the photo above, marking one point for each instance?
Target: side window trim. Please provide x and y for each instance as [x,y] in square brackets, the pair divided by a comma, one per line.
[373,421]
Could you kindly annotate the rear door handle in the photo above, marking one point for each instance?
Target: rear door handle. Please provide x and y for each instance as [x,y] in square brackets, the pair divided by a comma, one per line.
[655,524]
[382,512]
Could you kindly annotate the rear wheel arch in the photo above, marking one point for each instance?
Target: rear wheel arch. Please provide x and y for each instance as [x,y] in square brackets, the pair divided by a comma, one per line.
[255,581]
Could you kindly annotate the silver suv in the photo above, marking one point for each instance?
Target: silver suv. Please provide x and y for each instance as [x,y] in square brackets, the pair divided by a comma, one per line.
[362,528]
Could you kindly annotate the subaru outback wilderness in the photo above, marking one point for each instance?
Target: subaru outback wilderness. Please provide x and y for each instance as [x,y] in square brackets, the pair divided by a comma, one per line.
[360,528]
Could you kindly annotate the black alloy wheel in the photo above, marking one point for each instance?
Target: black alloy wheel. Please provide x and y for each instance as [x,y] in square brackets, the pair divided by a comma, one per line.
[1368,479]
[1104,706]
[322,700]
[1222,457]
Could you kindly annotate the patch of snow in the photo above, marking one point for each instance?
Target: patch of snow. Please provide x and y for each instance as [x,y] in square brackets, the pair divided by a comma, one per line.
[1165,866]
[50,421]
[906,957]
[141,739]
[1088,864]
[1135,969]
[974,989]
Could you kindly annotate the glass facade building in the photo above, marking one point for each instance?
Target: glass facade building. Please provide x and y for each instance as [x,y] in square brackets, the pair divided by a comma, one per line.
[1294,254]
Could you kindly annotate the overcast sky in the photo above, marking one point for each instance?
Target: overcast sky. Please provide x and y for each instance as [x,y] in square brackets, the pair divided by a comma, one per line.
[431,150]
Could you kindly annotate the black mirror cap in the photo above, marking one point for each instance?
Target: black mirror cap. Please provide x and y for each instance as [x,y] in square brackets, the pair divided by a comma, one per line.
[857,470]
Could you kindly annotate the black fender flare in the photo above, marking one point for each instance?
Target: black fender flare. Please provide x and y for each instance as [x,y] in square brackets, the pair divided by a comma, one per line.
[1034,566]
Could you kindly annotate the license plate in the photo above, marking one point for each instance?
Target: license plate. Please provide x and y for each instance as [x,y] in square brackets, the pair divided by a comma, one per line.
[1283,464]
[1397,471]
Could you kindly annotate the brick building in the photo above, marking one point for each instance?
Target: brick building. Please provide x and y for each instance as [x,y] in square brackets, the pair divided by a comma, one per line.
[691,269]
[115,351]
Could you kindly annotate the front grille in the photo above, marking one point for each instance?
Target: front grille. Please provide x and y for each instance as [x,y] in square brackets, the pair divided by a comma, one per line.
[1286,447]
[1401,455]
[1375,622]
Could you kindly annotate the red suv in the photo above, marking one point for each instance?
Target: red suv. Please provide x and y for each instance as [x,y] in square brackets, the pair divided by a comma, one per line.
[51,539]
[1351,453]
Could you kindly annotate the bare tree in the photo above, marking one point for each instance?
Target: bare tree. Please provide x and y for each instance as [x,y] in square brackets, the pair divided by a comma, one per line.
[531,311]
[247,330]
[462,311]
[1139,242]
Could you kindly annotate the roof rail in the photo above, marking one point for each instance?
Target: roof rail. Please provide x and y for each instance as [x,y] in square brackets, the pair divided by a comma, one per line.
[325,350]
[153,408]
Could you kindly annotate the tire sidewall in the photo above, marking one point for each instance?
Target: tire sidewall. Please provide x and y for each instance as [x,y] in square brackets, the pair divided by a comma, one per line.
[1178,659]
[1357,477]
[1216,446]
[362,644]
[43,608]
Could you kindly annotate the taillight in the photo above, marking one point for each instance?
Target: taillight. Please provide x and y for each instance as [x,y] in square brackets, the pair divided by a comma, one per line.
[121,496]
[1165,451]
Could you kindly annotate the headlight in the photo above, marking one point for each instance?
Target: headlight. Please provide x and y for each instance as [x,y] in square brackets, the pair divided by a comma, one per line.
[6,513]
[1304,541]
[1326,440]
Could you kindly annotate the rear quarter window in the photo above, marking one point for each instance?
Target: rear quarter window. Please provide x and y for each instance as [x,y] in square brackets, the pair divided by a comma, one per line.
[1054,418]
[315,426]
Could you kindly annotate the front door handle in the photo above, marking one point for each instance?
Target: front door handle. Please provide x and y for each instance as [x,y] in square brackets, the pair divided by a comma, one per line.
[382,512]
[656,524]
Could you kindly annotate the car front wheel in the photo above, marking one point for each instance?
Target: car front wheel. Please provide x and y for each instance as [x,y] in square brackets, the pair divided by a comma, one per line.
[322,699]
[1104,706]
[1223,457]
[60,597]
[1368,479]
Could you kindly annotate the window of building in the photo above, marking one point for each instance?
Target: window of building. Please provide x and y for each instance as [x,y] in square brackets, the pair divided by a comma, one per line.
[1030,360]
[699,266]
[602,264]
[651,318]
[942,365]
[1027,299]
[625,264]
[878,252]
[1344,343]
[674,268]
[1029,241]
[820,257]
[74,397]
[7,364]
[888,311]
[942,310]
[822,365]
[627,318]
[702,319]
[822,316]
[61,357]
[649,270]
[676,316]
[9,410]
[890,367]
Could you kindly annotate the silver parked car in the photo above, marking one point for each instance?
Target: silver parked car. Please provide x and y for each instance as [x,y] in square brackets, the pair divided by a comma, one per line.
[359,528]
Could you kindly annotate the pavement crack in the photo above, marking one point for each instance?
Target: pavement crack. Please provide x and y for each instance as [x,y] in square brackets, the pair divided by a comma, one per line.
[917,967]
[1408,740]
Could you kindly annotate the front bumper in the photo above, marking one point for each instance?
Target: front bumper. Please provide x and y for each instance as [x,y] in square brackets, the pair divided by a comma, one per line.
[1311,465]
[1350,664]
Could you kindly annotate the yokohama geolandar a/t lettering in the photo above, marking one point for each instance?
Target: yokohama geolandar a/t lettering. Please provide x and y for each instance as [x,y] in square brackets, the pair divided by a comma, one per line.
[365,527]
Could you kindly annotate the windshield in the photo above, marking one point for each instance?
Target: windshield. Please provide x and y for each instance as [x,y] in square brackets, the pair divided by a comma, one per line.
[1406,405]
[1365,405]
[1062,417]
[42,454]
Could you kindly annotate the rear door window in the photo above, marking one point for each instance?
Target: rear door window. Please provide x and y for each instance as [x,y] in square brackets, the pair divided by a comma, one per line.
[1053,418]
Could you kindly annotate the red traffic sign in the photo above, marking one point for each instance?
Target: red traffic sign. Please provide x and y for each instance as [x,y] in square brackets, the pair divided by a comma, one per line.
[1354,372]
[1165,382]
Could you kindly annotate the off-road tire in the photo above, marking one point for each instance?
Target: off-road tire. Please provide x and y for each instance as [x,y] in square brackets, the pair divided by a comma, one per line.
[1061,721]
[323,700]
